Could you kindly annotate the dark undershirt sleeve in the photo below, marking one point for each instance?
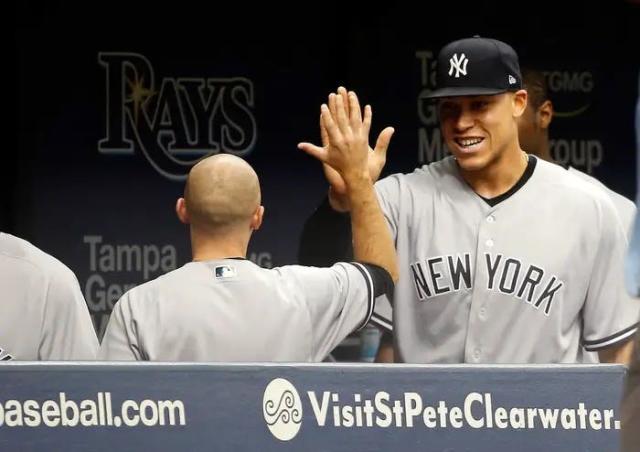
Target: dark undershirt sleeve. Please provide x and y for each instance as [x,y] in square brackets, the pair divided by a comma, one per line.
[326,237]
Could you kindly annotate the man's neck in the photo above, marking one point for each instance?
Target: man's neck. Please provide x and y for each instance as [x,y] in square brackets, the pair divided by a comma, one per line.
[498,177]
[206,248]
[545,152]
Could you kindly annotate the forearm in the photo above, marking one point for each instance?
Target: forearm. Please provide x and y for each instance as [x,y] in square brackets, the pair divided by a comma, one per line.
[617,354]
[385,350]
[372,241]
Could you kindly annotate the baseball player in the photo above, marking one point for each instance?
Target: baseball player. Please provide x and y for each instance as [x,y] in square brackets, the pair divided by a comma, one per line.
[222,307]
[533,135]
[44,314]
[630,409]
[503,257]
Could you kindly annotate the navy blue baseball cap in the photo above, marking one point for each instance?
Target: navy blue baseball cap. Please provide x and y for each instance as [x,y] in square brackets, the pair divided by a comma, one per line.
[476,66]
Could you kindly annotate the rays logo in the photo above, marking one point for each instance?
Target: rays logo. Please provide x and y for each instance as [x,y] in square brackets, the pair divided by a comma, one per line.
[174,122]
[282,409]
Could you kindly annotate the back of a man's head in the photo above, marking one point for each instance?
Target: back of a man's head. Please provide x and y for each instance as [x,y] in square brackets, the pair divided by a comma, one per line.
[222,193]
[534,82]
[533,125]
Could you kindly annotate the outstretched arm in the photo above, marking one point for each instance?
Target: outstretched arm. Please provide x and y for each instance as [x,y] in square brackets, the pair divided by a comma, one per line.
[347,153]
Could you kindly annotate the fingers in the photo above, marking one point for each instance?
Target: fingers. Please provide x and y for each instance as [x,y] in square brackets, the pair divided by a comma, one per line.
[341,116]
[366,124]
[313,150]
[333,132]
[342,92]
[382,144]
[344,116]
[350,105]
[324,135]
[332,105]
[333,100]
[355,117]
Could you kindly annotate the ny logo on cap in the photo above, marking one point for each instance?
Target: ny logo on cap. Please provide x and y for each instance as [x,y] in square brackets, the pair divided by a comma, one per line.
[512,80]
[459,64]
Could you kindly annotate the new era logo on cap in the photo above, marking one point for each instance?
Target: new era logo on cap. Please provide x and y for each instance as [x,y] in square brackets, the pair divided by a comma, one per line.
[476,66]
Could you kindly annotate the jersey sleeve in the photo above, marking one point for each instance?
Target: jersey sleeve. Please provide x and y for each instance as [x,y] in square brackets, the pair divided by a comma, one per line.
[67,331]
[382,316]
[340,300]
[326,237]
[388,190]
[627,212]
[610,313]
[120,341]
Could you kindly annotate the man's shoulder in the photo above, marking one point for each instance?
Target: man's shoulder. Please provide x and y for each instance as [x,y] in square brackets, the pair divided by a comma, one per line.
[563,183]
[426,176]
[174,280]
[622,203]
[590,202]
[303,276]
[21,254]
[195,276]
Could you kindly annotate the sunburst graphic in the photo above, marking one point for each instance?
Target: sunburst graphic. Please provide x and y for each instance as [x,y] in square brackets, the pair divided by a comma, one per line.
[139,95]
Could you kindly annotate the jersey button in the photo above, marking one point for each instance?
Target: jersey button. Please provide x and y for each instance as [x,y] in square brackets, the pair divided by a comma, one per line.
[491,219]
[482,314]
[489,243]
[477,353]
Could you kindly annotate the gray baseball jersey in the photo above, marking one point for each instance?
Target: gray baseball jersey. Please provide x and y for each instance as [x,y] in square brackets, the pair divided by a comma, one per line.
[44,315]
[537,278]
[233,310]
[625,207]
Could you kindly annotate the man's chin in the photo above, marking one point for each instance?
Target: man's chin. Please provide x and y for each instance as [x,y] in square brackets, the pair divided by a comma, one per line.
[470,162]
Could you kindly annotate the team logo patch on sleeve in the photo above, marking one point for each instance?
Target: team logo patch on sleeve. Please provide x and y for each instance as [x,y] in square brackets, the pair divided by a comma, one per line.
[225,271]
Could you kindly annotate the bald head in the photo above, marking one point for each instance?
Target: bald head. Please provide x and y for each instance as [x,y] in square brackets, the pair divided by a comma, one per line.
[222,192]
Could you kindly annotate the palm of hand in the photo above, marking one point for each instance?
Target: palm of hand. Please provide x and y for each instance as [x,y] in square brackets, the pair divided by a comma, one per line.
[375,164]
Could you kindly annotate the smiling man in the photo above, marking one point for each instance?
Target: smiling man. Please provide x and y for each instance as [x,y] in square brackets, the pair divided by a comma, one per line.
[504,258]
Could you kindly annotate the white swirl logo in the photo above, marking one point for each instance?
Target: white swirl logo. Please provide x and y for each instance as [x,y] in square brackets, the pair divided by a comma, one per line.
[282,409]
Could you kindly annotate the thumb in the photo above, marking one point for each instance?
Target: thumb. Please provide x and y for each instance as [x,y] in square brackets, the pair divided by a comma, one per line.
[382,144]
[313,150]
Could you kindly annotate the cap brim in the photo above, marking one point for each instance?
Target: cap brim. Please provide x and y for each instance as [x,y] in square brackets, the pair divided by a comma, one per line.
[463,91]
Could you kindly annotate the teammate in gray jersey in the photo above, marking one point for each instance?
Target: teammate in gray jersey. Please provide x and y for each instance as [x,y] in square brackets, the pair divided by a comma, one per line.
[503,257]
[533,135]
[221,307]
[44,315]
[630,409]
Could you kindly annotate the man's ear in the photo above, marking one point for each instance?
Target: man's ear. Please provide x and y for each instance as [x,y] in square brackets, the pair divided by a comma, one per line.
[256,220]
[545,114]
[181,211]
[519,102]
